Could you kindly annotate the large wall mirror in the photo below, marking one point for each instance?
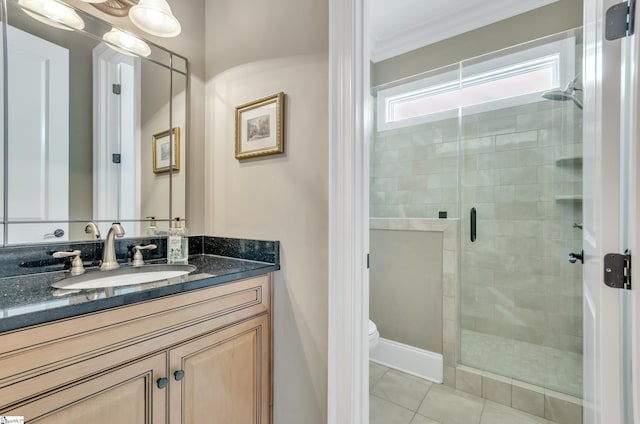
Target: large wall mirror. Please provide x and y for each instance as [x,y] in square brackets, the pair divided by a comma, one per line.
[95,127]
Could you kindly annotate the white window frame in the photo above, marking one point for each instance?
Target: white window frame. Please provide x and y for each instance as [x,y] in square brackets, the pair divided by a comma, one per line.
[558,54]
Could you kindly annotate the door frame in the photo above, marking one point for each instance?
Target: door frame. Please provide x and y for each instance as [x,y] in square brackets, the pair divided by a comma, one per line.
[349,127]
[601,110]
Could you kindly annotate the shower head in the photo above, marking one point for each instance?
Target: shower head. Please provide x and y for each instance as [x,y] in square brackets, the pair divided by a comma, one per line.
[569,93]
[563,96]
[557,95]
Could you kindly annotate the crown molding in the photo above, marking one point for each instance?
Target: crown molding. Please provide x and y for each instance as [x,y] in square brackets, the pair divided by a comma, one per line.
[465,16]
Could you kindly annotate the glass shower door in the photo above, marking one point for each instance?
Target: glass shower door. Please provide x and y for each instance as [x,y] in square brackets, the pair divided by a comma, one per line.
[521,212]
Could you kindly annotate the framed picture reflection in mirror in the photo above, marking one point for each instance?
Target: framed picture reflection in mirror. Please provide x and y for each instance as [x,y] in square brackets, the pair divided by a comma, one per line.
[161,151]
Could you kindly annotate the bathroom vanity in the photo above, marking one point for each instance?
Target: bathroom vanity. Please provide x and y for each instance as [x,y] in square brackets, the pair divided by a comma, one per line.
[191,351]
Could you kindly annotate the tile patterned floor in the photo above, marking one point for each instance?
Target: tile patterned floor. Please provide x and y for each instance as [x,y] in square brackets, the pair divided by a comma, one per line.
[398,398]
[542,366]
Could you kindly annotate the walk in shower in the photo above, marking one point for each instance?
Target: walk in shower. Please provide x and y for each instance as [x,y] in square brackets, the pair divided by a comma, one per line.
[492,146]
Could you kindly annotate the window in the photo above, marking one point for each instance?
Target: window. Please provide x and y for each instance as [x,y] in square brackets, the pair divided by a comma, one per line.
[505,80]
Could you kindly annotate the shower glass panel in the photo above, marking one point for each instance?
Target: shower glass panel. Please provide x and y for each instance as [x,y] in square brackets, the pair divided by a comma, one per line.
[520,196]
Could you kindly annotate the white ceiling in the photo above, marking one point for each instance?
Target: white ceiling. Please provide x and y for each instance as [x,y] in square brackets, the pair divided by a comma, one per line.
[399,26]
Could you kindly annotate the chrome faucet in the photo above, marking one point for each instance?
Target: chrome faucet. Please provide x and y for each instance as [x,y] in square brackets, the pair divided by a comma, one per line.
[109,260]
[92,228]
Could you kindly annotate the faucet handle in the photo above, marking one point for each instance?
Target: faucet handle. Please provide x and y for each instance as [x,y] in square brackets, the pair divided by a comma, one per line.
[77,267]
[137,257]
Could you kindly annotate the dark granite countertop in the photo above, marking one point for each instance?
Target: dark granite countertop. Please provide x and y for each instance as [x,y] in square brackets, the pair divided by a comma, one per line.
[29,299]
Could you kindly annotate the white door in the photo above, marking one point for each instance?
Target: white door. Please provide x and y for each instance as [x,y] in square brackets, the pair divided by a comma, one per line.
[38,127]
[607,217]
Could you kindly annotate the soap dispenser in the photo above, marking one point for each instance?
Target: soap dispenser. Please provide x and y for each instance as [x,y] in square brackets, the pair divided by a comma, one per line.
[177,244]
[152,228]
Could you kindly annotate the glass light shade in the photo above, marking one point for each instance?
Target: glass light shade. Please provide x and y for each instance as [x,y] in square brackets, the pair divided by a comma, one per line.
[126,43]
[52,13]
[155,17]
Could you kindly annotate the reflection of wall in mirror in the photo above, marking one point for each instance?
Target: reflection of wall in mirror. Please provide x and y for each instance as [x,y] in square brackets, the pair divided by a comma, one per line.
[189,44]
[155,110]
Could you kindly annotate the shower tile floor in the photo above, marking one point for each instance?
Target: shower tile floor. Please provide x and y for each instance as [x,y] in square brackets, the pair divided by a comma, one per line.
[554,369]
[398,398]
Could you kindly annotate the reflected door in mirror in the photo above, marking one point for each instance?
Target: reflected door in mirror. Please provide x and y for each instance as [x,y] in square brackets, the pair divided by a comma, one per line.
[38,127]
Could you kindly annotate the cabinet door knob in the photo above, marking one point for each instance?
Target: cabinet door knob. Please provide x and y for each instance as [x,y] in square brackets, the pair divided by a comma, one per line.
[163,382]
[178,375]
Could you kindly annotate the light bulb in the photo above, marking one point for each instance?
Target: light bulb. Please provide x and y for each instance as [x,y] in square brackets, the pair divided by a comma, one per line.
[54,10]
[155,17]
[52,13]
[126,43]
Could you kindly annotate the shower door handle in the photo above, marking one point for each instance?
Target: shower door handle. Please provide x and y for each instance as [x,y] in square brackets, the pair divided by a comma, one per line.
[472,214]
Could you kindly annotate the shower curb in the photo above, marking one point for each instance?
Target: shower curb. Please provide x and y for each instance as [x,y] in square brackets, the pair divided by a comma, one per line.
[544,403]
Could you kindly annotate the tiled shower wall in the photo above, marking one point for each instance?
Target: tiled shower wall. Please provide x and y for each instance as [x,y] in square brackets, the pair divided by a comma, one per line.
[521,170]
[414,171]
[520,167]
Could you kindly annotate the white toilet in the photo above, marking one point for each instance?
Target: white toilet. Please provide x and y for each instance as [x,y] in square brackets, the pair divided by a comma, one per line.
[374,336]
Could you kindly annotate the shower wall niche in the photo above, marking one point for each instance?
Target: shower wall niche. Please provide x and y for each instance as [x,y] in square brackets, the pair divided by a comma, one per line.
[515,157]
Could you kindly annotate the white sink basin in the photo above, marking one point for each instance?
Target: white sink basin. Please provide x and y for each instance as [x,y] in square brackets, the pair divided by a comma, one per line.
[125,276]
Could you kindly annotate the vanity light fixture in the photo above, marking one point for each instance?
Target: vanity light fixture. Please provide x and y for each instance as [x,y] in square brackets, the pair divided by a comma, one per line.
[52,13]
[155,17]
[117,8]
[126,43]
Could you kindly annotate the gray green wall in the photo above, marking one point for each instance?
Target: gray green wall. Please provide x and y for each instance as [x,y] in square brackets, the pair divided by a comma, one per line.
[406,287]
[556,17]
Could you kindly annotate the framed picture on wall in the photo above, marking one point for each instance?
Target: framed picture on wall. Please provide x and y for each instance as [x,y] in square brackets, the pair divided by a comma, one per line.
[161,151]
[260,127]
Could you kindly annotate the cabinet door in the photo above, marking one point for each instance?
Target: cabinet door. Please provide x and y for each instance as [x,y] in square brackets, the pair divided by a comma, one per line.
[126,395]
[226,376]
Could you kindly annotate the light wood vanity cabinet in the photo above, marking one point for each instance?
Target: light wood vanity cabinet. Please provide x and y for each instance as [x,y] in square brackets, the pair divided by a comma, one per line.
[222,375]
[124,395]
[203,356]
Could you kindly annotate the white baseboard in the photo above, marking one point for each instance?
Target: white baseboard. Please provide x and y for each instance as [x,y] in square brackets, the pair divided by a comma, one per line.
[408,359]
